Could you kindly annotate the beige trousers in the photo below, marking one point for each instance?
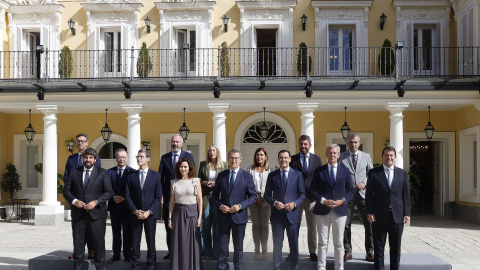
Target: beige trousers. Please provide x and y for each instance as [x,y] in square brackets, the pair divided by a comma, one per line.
[260,217]
[308,206]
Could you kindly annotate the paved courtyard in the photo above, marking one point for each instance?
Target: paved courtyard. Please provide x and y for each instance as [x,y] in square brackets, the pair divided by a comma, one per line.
[453,241]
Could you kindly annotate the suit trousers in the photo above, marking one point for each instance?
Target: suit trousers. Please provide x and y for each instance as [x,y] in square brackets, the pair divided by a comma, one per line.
[137,226]
[395,231]
[308,206]
[165,219]
[96,229]
[120,221]
[278,229]
[323,228]
[358,202]
[260,217]
[238,234]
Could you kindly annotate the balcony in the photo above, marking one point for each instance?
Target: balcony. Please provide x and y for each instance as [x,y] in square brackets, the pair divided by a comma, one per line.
[153,67]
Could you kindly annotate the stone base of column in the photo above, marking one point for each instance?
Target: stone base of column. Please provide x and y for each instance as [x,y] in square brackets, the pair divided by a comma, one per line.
[49,215]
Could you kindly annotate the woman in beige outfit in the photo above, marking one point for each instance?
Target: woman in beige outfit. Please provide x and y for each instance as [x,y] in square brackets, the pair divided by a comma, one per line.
[260,211]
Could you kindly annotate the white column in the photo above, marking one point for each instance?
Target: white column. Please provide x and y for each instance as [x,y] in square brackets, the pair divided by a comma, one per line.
[219,130]
[307,117]
[49,211]
[134,136]
[396,129]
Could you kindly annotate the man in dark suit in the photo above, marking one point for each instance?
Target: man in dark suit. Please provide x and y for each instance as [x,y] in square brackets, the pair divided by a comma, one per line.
[306,163]
[388,206]
[75,161]
[233,193]
[285,190]
[143,197]
[166,171]
[331,188]
[119,214]
[358,163]
[88,189]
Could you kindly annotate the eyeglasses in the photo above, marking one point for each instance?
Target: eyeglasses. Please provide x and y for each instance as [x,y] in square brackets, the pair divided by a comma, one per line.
[78,141]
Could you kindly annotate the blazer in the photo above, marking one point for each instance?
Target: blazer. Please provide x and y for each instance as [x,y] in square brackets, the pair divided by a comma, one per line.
[321,187]
[379,197]
[167,174]
[204,175]
[148,198]
[243,193]
[119,186]
[359,174]
[251,170]
[294,192]
[99,188]
[314,162]
[72,163]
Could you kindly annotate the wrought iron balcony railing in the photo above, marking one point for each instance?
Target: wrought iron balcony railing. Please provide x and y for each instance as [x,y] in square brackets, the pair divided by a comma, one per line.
[251,63]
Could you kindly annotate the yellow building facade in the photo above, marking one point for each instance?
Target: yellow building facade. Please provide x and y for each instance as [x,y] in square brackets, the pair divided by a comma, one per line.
[224,62]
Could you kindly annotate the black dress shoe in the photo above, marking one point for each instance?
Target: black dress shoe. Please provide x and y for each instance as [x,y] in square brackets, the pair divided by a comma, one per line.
[370,257]
[113,259]
[347,257]
[313,257]
[127,259]
[167,257]
[288,258]
[91,254]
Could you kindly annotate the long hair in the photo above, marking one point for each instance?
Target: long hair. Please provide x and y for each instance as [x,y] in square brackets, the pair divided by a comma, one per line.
[219,163]
[255,163]
[191,168]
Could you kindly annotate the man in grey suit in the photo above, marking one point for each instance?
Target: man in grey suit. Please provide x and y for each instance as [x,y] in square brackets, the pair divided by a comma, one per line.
[358,163]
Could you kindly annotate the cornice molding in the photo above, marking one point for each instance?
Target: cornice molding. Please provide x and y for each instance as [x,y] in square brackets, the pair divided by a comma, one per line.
[351,3]
[194,5]
[50,8]
[107,7]
[423,4]
[266,4]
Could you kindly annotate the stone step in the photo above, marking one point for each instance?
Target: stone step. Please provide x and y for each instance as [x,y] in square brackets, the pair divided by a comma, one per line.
[409,261]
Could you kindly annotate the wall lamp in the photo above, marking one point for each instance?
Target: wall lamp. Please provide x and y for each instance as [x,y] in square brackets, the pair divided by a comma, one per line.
[71,25]
[127,92]
[147,24]
[39,48]
[225,22]
[399,45]
[304,21]
[383,19]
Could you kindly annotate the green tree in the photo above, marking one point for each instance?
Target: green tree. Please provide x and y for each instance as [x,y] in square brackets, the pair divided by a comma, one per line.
[65,63]
[11,181]
[144,63]
[386,58]
[302,60]
[224,60]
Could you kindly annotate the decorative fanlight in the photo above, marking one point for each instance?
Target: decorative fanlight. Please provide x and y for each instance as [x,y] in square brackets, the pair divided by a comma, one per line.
[345,129]
[106,130]
[429,129]
[264,128]
[184,131]
[29,131]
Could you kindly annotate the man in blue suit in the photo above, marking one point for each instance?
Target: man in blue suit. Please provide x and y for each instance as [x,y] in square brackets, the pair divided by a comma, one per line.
[119,214]
[143,197]
[331,188]
[166,171]
[74,161]
[387,202]
[285,192]
[233,193]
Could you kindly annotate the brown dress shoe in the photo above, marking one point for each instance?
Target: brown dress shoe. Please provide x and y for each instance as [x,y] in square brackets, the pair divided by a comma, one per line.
[91,254]
[70,257]
[370,257]
[313,257]
[347,257]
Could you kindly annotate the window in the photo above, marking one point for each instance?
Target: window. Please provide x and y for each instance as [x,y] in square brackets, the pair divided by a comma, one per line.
[275,134]
[340,43]
[185,53]
[26,155]
[423,51]
[112,53]
[33,62]
[469,164]
[266,52]
[366,141]
[195,144]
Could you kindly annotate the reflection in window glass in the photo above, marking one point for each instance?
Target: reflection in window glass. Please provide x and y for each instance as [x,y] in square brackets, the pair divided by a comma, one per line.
[32,159]
[340,49]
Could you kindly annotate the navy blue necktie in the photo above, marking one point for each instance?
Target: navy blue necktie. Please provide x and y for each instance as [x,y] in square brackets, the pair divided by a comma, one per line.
[232,180]
[284,180]
[305,168]
[80,160]
[332,176]
[87,178]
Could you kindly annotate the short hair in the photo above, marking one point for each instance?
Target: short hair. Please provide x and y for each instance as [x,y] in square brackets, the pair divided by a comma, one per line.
[255,162]
[333,145]
[352,136]
[145,151]
[175,135]
[82,134]
[284,151]
[305,137]
[120,150]
[191,168]
[90,151]
[219,163]
[234,151]
[389,148]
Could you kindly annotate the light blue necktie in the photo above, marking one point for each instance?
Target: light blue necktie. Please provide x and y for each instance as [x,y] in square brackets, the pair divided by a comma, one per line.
[142,179]
[390,182]
[175,159]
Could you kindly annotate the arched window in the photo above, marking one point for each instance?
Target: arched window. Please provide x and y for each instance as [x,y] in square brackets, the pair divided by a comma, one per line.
[275,134]
[108,150]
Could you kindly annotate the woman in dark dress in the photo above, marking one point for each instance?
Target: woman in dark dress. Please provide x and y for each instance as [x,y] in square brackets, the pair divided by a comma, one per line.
[185,218]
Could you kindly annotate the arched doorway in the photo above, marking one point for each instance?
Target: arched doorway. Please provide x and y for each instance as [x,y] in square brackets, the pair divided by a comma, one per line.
[248,139]
[106,151]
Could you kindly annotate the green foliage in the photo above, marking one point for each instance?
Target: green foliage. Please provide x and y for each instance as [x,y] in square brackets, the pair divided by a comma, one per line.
[39,169]
[415,185]
[65,63]
[144,63]
[11,181]
[224,60]
[386,58]
[67,142]
[302,60]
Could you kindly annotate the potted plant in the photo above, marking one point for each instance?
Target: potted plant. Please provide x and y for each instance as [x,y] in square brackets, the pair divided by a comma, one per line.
[144,63]
[12,185]
[65,63]
[224,60]
[39,169]
[386,58]
[302,60]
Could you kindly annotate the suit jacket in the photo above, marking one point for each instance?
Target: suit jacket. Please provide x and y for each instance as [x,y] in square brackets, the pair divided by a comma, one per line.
[379,197]
[359,174]
[204,175]
[72,163]
[99,188]
[148,198]
[243,193]
[265,174]
[167,174]
[315,162]
[321,187]
[294,192]
[119,186]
